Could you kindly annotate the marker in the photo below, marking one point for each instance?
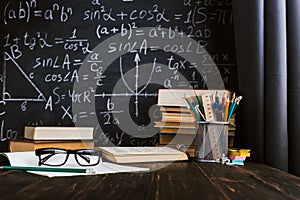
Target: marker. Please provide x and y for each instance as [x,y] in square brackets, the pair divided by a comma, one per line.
[47,169]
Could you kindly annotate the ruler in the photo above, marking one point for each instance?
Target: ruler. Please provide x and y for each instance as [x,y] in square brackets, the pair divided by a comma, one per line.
[214,131]
[208,107]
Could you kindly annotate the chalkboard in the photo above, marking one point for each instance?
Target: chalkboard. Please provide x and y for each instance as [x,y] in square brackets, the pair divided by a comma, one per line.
[100,63]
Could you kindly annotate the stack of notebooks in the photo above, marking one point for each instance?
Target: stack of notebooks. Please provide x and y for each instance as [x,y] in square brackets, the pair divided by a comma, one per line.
[55,137]
[238,157]
[177,124]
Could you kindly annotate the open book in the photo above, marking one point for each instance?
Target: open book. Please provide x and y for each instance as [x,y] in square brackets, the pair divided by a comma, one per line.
[142,154]
[29,160]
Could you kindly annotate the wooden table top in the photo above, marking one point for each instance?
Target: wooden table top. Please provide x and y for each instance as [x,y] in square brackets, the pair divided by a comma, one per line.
[179,180]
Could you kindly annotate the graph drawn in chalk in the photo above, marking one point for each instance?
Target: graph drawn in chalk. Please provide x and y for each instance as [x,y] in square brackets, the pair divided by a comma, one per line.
[134,91]
[25,90]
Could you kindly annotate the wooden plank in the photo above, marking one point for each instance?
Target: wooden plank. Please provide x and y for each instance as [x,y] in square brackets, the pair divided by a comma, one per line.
[252,181]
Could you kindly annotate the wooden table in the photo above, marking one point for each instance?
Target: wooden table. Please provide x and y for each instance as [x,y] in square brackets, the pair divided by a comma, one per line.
[179,180]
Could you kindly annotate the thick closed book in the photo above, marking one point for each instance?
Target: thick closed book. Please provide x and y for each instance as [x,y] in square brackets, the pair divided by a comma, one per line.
[31,145]
[142,154]
[175,97]
[58,133]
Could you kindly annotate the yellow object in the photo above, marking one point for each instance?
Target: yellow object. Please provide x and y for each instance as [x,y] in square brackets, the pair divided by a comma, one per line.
[239,152]
[244,152]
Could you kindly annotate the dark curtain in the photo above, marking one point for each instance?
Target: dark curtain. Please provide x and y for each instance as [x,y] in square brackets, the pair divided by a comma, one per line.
[267,39]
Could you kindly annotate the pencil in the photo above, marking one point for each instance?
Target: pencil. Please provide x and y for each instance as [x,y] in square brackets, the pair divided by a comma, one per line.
[197,116]
[48,169]
[199,102]
[199,111]
[226,110]
[231,109]
[234,106]
[233,97]
[237,102]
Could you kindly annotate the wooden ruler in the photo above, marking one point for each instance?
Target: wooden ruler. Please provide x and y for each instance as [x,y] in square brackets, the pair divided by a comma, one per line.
[214,131]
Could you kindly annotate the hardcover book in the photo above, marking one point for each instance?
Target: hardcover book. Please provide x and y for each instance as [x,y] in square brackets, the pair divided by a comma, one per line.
[142,154]
[31,145]
[58,133]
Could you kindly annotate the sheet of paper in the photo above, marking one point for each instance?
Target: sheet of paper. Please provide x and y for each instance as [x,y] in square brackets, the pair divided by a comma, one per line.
[29,159]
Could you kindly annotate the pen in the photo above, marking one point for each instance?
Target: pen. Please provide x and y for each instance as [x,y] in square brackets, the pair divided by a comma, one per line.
[48,169]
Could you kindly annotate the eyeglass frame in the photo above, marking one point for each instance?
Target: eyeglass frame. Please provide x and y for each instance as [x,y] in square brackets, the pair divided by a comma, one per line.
[38,152]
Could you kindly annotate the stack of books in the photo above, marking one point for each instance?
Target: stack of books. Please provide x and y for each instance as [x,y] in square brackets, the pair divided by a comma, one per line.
[53,137]
[176,127]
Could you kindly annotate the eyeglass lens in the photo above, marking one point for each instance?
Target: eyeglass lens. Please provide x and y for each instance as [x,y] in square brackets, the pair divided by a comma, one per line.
[87,157]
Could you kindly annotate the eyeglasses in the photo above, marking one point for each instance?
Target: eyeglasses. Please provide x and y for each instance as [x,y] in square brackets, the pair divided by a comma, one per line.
[58,156]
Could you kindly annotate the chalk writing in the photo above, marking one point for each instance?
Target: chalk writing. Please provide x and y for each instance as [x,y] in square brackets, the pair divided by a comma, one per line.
[100,63]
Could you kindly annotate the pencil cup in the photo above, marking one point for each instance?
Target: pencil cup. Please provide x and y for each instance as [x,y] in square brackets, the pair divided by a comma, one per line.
[211,141]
